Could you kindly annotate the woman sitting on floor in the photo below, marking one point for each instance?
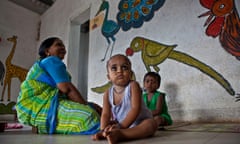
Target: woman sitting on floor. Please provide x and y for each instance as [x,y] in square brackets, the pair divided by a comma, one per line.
[49,101]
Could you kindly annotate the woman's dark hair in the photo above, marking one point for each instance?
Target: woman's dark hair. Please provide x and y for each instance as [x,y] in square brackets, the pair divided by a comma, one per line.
[46,44]
[155,75]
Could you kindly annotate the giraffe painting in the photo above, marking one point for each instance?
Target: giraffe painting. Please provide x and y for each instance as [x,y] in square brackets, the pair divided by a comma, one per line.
[12,71]
[2,72]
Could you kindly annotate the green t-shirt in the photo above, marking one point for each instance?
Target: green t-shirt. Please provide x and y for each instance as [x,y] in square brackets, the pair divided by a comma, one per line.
[153,103]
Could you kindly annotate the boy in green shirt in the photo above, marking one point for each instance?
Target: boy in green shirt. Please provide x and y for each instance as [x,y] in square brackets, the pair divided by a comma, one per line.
[155,100]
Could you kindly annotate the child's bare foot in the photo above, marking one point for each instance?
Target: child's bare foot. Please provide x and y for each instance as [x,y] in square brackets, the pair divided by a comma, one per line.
[113,137]
[98,136]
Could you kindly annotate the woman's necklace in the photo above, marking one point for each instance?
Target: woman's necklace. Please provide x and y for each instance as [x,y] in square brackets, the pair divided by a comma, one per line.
[118,92]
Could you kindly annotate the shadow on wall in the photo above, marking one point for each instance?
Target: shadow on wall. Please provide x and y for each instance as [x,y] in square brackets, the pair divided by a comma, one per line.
[174,106]
[216,115]
[206,116]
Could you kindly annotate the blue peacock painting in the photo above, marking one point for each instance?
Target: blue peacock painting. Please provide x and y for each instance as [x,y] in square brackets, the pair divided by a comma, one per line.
[132,14]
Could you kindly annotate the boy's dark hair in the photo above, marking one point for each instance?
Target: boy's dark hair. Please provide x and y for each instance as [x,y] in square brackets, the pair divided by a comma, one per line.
[155,75]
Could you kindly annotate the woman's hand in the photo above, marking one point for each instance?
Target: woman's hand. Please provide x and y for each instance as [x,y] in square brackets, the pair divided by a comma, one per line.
[71,91]
[96,107]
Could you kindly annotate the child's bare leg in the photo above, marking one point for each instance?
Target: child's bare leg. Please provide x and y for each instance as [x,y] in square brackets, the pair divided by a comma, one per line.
[145,129]
[160,121]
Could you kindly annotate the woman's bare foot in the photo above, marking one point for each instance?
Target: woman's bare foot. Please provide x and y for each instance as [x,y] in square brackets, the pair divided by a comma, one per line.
[34,130]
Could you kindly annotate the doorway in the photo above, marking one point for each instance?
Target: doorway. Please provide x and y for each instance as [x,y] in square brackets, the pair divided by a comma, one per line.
[78,52]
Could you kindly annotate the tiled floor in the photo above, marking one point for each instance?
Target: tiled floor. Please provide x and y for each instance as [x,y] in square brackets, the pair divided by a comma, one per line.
[24,136]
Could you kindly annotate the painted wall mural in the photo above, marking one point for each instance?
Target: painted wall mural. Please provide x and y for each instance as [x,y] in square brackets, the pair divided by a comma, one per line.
[12,71]
[2,69]
[154,53]
[2,72]
[96,22]
[132,13]
[8,108]
[223,21]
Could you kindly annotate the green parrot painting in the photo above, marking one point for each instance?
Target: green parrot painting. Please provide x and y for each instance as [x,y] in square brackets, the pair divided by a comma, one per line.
[154,53]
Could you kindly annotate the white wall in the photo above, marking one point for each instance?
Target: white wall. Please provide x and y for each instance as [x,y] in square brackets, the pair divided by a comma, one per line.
[192,95]
[15,20]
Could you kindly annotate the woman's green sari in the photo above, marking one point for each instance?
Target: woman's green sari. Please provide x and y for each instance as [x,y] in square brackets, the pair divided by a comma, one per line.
[40,104]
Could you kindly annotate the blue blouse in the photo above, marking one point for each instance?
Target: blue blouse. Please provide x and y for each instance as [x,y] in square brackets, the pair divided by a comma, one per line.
[56,69]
